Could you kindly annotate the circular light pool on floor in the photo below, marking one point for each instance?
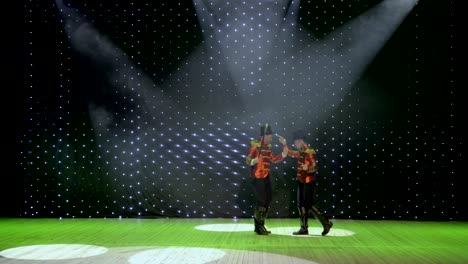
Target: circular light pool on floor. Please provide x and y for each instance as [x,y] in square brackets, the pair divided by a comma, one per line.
[53,252]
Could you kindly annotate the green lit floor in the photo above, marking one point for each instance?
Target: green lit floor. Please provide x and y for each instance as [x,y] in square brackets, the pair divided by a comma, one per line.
[353,241]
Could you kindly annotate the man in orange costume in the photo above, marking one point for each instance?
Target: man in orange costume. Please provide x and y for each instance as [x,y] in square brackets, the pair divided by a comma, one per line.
[259,158]
[306,181]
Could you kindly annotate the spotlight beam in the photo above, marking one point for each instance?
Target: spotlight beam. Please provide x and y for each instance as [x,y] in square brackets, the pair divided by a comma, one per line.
[144,115]
[143,97]
[332,65]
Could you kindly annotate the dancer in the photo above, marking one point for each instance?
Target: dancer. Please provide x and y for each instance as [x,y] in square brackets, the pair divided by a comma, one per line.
[259,158]
[306,181]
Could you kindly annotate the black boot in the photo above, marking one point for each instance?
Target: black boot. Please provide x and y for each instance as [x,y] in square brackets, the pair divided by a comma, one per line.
[264,214]
[326,223]
[259,221]
[256,230]
[304,225]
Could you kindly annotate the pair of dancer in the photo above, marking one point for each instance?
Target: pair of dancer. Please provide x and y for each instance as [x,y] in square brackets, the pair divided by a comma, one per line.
[259,158]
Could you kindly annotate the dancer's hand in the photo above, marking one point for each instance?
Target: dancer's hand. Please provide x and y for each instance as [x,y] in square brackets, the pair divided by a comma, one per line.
[314,168]
[304,167]
[285,151]
[281,139]
[253,161]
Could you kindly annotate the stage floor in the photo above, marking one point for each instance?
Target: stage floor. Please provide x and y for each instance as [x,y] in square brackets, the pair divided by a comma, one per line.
[228,241]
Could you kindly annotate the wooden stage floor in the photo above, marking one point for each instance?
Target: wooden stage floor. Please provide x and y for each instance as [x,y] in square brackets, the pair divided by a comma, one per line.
[115,241]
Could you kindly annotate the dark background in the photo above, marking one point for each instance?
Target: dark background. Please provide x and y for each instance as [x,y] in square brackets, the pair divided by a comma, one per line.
[391,150]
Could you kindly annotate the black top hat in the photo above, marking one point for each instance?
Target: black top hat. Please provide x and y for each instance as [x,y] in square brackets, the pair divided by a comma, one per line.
[265,130]
[299,134]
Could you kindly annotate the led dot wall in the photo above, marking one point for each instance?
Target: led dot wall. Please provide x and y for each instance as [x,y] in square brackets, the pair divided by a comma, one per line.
[147,108]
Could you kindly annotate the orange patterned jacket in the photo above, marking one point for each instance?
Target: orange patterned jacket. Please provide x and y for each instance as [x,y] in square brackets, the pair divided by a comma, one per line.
[305,156]
[265,157]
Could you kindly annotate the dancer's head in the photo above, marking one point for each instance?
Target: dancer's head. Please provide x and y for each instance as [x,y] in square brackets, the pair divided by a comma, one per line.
[266,133]
[299,139]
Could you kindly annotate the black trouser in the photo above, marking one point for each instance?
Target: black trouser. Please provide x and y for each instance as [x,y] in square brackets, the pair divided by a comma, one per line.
[305,195]
[263,193]
[306,202]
